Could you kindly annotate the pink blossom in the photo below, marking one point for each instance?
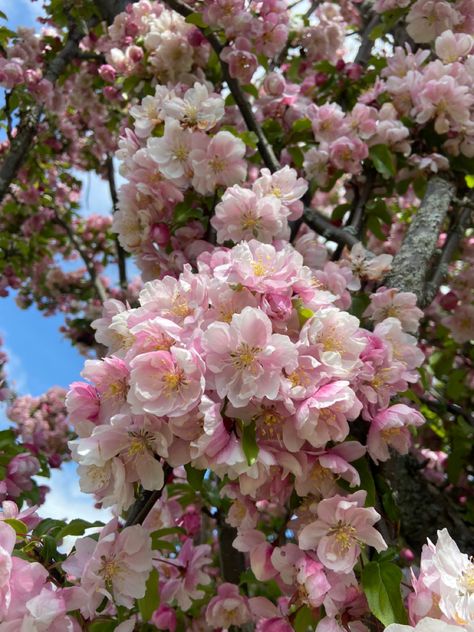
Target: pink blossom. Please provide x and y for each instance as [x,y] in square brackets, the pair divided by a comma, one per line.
[164,618]
[389,428]
[184,574]
[335,337]
[324,416]
[243,215]
[347,154]
[116,566]
[227,608]
[242,63]
[451,46]
[166,382]
[260,552]
[386,303]
[461,323]
[283,184]
[110,378]
[260,267]
[342,525]
[172,151]
[246,358]
[219,162]
[197,108]
[429,18]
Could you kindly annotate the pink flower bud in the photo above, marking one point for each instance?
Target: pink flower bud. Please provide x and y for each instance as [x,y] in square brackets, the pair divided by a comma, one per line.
[160,234]
[135,54]
[274,84]
[354,71]
[107,72]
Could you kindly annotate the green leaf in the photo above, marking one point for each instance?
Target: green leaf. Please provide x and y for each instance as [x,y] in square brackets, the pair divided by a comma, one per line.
[296,155]
[374,225]
[304,620]
[102,626]
[469,181]
[229,100]
[359,304]
[301,125]
[196,19]
[77,527]
[151,600]
[195,477]
[3,15]
[249,443]
[160,545]
[339,211]
[304,314]
[366,480]
[19,526]
[250,89]
[49,525]
[383,159]
[249,138]
[381,583]
[161,533]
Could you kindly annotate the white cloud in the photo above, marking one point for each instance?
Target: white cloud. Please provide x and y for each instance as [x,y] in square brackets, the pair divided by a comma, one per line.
[65,501]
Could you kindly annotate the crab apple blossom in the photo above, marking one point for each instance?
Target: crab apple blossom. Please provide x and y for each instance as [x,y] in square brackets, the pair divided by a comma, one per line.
[342,525]
[116,566]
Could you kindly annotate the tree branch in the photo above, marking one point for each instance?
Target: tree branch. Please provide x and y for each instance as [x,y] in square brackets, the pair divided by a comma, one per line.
[455,235]
[311,217]
[424,509]
[97,283]
[366,45]
[121,256]
[410,265]
[145,503]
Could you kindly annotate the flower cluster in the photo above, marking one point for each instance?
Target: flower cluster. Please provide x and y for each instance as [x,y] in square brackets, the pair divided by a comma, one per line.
[41,423]
[188,151]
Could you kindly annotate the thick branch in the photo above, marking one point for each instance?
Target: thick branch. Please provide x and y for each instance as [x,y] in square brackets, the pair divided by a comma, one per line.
[323,226]
[424,509]
[371,20]
[411,264]
[97,283]
[121,256]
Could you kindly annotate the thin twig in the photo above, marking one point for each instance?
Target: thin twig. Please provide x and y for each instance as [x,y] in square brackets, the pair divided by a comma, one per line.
[97,283]
[143,505]
[455,235]
[121,255]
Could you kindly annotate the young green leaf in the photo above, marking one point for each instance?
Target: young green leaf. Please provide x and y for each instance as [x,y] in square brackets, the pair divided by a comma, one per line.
[381,584]
[151,600]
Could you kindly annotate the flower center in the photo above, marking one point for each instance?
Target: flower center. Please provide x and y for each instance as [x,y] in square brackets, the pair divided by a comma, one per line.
[390,433]
[217,164]
[110,569]
[248,221]
[181,153]
[466,581]
[174,380]
[344,534]
[116,389]
[244,356]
